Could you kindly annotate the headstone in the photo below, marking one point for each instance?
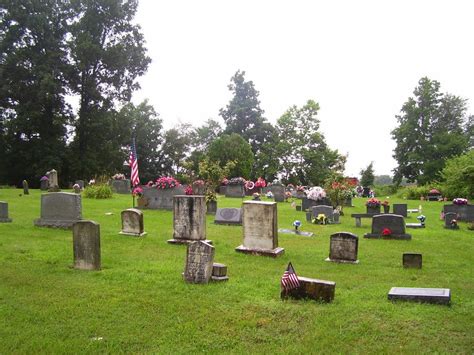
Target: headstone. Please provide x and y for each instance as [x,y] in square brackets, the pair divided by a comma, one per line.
[464,212]
[4,212]
[86,245]
[232,216]
[160,199]
[307,203]
[348,202]
[80,183]
[222,189]
[189,219]
[448,220]
[59,210]
[44,185]
[260,229]
[53,181]
[426,295]
[373,209]
[121,186]
[343,248]
[384,223]
[400,209]
[278,192]
[132,222]
[328,211]
[234,191]
[26,190]
[412,260]
[219,272]
[211,207]
[336,217]
[318,290]
[199,262]
[199,189]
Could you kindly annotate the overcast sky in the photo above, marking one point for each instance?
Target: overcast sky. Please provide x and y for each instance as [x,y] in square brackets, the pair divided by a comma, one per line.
[360,60]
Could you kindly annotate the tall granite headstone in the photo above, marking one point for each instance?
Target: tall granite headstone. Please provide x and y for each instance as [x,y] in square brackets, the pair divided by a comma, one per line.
[132,222]
[4,212]
[159,199]
[199,262]
[344,247]
[400,209]
[86,245]
[59,210]
[260,229]
[388,226]
[189,219]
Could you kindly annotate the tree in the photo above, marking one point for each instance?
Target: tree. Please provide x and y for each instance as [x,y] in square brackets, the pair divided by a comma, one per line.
[232,148]
[367,175]
[107,54]
[304,155]
[175,150]
[432,128]
[458,176]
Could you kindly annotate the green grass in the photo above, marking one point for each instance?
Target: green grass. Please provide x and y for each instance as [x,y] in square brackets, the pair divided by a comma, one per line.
[139,302]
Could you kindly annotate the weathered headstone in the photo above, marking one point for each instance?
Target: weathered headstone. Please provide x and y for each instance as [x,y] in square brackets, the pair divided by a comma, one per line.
[425,295]
[400,209]
[219,272]
[199,188]
[132,222]
[448,220]
[464,212]
[336,217]
[53,181]
[44,185]
[86,245]
[318,290]
[348,202]
[412,260]
[278,192]
[121,186]
[189,219]
[26,190]
[199,262]
[231,216]
[260,229]
[59,210]
[343,248]
[388,226]
[211,207]
[160,199]
[235,191]
[4,212]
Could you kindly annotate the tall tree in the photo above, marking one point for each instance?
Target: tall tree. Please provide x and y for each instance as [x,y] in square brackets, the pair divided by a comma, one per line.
[432,128]
[367,176]
[175,150]
[305,157]
[107,56]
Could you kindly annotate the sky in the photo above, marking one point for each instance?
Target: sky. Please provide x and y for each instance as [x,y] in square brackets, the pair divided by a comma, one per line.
[360,60]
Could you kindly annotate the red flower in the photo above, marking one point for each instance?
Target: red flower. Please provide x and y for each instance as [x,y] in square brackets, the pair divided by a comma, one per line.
[386,231]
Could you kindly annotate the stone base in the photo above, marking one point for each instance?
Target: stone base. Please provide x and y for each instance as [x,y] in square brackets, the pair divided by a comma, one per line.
[292,231]
[134,234]
[54,189]
[318,290]
[5,220]
[51,223]
[186,241]
[274,253]
[449,227]
[393,236]
[219,278]
[229,223]
[425,295]
[342,261]
[414,225]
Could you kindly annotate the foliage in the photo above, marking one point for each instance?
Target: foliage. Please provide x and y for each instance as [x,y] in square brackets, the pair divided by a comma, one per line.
[458,176]
[414,192]
[431,129]
[213,173]
[382,180]
[175,149]
[98,191]
[338,190]
[232,148]
[367,176]
[210,196]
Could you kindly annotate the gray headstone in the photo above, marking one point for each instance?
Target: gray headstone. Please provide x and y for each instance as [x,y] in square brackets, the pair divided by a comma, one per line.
[412,260]
[189,219]
[260,229]
[121,186]
[278,192]
[53,181]
[335,217]
[314,289]
[229,216]
[59,210]
[328,211]
[400,209]
[393,222]
[86,245]
[160,199]
[222,189]
[132,222]
[44,185]
[307,203]
[199,262]
[464,212]
[4,212]
[26,190]
[344,247]
[426,295]
[448,219]
[235,191]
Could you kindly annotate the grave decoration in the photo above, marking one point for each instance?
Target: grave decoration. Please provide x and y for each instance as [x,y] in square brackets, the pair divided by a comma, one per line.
[421,224]
[388,226]
[256,196]
[76,188]
[343,248]
[373,206]
[464,210]
[296,225]
[386,206]
[317,212]
[434,195]
[199,187]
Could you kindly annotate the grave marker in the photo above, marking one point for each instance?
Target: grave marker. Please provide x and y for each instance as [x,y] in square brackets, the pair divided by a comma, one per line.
[189,219]
[400,209]
[235,191]
[59,210]
[157,199]
[448,220]
[4,212]
[199,262]
[86,245]
[426,295]
[232,216]
[26,190]
[343,248]
[412,260]
[132,222]
[388,226]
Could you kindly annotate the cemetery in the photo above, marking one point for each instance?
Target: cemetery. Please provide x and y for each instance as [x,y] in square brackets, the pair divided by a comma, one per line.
[140,291]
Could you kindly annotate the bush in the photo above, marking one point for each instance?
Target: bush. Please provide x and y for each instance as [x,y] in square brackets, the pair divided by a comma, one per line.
[458,176]
[100,191]
[414,192]
[385,190]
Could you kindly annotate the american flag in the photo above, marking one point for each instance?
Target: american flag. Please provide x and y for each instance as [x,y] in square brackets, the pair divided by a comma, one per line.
[134,164]
[289,280]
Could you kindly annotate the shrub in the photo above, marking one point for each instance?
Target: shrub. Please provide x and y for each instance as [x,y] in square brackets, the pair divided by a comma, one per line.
[458,176]
[414,192]
[100,191]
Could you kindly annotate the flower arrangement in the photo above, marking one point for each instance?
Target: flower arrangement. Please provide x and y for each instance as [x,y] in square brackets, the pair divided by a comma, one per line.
[288,195]
[188,190]
[296,224]
[249,185]
[137,191]
[320,219]
[260,182]
[166,182]
[300,188]
[224,181]
[199,182]
[269,194]
[118,176]
[422,219]
[149,183]
[460,201]
[44,178]
[91,181]
[290,187]
[211,196]
[386,231]
[256,196]
[237,181]
[316,193]
[372,202]
[435,192]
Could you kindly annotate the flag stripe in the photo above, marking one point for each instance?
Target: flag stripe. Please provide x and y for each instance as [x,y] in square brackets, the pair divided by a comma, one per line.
[289,280]
[134,165]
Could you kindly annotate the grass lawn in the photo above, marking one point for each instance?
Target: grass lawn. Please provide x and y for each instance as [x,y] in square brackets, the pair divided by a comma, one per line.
[139,302]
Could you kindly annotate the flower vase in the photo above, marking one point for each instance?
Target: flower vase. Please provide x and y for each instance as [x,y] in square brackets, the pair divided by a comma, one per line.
[386,209]
[211,207]
[373,209]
